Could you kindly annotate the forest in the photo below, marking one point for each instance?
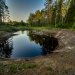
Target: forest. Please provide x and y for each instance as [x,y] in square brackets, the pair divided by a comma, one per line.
[40,43]
[56,14]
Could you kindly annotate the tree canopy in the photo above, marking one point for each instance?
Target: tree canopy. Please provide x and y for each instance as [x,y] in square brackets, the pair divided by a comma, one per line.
[56,13]
[3,10]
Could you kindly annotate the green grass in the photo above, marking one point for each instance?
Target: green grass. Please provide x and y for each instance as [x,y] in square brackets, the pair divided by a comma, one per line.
[27,66]
[1,68]
[14,68]
[7,28]
[12,28]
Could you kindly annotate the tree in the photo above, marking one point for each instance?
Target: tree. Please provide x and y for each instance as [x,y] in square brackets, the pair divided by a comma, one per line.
[48,7]
[37,18]
[31,19]
[3,10]
[58,17]
[70,16]
[58,13]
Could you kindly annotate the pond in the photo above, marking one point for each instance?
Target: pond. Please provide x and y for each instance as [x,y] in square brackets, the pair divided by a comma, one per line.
[27,44]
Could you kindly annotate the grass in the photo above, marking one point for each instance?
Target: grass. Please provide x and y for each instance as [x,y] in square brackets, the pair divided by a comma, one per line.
[14,68]
[8,28]
[27,66]
[1,68]
[12,28]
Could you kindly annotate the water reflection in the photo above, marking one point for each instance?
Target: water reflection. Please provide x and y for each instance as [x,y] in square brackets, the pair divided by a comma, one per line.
[48,43]
[27,44]
[5,48]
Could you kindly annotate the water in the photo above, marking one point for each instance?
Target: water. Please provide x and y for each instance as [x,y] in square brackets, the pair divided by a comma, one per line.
[25,44]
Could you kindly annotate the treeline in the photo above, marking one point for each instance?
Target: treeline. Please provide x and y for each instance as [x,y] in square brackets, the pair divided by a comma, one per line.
[15,23]
[57,13]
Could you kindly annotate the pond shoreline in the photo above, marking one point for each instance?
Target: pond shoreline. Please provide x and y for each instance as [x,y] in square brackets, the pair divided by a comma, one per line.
[61,61]
[61,35]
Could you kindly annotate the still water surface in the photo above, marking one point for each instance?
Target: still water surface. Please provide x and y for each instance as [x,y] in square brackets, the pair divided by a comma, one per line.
[24,44]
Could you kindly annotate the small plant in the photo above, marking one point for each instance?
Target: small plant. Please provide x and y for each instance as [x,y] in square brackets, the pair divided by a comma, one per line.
[2,68]
[28,66]
[13,68]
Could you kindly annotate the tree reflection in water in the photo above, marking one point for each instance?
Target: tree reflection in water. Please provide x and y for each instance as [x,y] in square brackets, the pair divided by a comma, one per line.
[48,43]
[5,48]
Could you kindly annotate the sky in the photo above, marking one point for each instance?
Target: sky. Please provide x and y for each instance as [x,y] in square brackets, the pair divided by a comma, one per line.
[20,9]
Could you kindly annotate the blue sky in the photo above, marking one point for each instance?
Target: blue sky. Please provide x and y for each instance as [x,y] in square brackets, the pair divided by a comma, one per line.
[20,9]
